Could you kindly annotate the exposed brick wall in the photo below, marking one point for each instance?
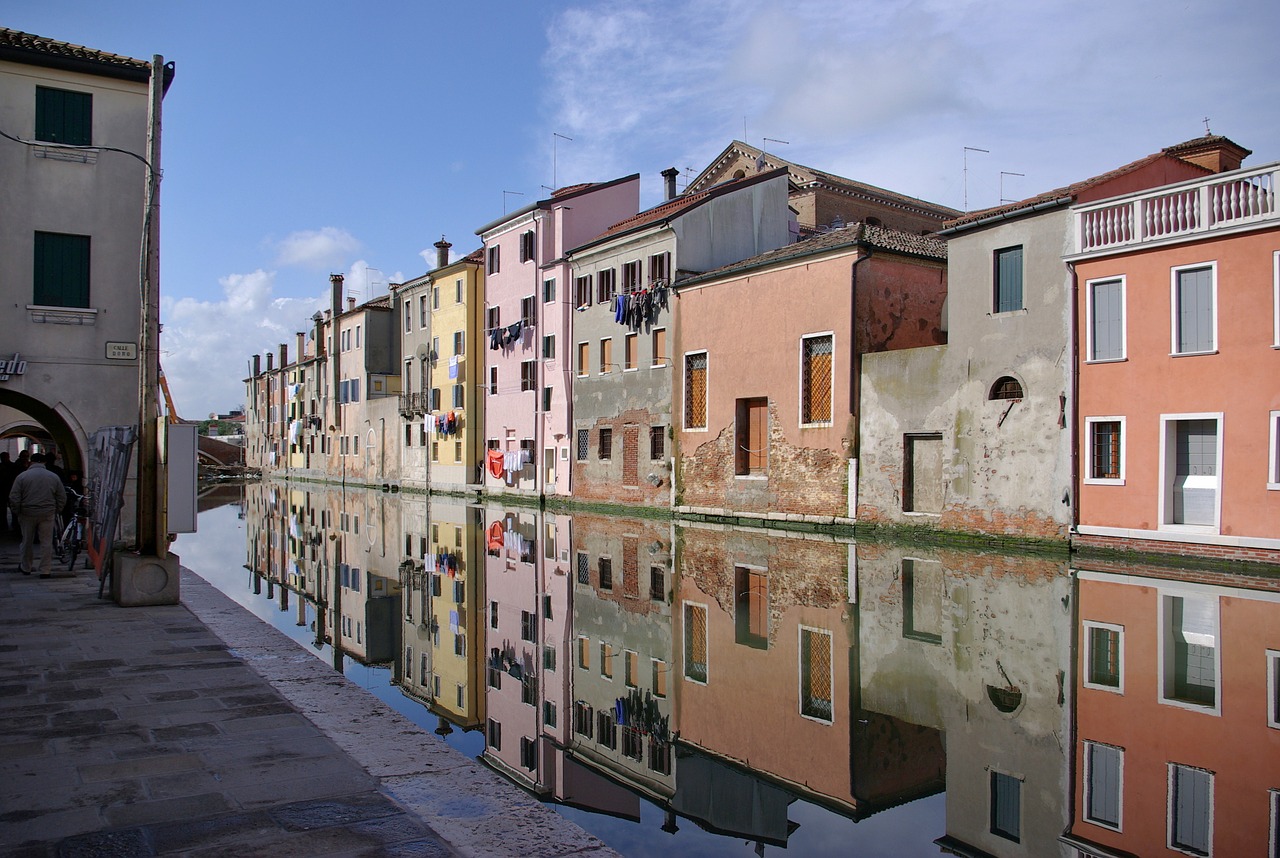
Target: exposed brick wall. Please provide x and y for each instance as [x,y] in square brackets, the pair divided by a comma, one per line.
[622,479]
[801,480]
[1021,522]
[634,546]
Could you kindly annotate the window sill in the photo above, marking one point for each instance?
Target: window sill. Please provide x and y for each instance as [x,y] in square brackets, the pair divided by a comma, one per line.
[1207,529]
[821,425]
[997,314]
[1192,354]
[1097,481]
[62,315]
[750,477]
[1107,360]
[1110,689]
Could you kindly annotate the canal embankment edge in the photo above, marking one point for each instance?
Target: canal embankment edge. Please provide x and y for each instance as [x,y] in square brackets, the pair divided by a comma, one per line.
[468,804]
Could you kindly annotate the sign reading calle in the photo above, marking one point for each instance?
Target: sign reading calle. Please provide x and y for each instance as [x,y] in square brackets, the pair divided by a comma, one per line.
[14,366]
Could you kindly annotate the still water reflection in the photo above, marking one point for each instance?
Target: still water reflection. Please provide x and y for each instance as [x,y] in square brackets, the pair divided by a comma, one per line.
[722,691]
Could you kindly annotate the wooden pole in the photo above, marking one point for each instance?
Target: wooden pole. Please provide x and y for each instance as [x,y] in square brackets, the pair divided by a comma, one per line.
[152,539]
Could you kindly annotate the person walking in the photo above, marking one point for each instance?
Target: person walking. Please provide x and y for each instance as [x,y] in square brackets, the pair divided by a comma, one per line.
[35,498]
[8,473]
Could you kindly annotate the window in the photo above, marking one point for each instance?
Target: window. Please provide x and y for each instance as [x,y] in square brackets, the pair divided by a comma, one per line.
[630,347]
[493,615]
[548,290]
[435,350]
[1006,806]
[606,660]
[528,626]
[631,668]
[924,598]
[605,450]
[1273,688]
[493,318]
[751,607]
[526,246]
[657,442]
[527,375]
[459,342]
[1104,656]
[695,390]
[459,644]
[583,444]
[584,359]
[1275,300]
[659,677]
[1273,461]
[606,286]
[528,753]
[1006,387]
[1190,809]
[435,297]
[546,399]
[606,730]
[459,396]
[1190,455]
[606,573]
[1008,279]
[549,346]
[529,689]
[1189,651]
[1106,451]
[493,381]
[695,643]
[433,403]
[657,584]
[529,311]
[61,270]
[584,569]
[582,291]
[549,714]
[659,347]
[816,677]
[816,376]
[423,312]
[1103,784]
[584,653]
[1105,325]
[1194,310]
[583,719]
[459,591]
[751,437]
[632,742]
[457,292]
[659,267]
[494,735]
[549,657]
[494,258]
[631,277]
[63,116]
[606,356]
[408,317]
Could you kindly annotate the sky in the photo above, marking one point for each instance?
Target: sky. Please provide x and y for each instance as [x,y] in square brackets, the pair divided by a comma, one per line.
[307,138]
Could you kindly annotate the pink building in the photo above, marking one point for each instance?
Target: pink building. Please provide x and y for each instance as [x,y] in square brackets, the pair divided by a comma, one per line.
[770,359]
[527,330]
[1178,314]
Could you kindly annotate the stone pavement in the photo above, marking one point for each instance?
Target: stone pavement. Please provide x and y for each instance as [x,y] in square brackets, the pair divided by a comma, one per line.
[198,730]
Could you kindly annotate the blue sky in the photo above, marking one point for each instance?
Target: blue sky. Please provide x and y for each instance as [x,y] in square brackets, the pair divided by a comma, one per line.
[302,139]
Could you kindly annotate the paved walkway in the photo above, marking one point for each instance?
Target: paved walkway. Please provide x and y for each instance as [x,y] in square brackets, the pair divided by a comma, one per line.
[198,730]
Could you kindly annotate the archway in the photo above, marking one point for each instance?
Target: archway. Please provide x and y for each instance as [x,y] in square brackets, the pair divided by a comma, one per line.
[27,417]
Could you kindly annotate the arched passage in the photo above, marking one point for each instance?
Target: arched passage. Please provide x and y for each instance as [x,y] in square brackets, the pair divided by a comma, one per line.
[25,416]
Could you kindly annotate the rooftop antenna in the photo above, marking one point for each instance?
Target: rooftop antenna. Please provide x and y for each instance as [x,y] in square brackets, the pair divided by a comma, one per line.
[764,140]
[967,150]
[504,198]
[554,135]
[1002,175]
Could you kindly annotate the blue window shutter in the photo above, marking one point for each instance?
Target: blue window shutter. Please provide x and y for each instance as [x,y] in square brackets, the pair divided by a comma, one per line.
[1195,310]
[1008,279]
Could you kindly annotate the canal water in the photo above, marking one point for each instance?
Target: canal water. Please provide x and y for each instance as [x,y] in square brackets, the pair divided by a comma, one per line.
[729,691]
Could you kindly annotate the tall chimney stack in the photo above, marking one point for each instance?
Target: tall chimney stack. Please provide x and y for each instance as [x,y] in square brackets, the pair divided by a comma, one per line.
[270,359]
[257,365]
[335,292]
[669,175]
[442,252]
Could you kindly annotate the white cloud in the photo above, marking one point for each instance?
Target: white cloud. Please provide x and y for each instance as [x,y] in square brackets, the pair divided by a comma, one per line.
[206,346]
[327,248]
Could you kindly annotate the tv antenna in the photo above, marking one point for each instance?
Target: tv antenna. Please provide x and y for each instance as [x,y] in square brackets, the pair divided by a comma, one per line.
[1002,175]
[504,198]
[967,150]
[554,136]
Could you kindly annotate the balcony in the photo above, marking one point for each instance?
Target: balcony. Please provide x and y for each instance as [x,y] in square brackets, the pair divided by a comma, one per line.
[1228,201]
[412,404]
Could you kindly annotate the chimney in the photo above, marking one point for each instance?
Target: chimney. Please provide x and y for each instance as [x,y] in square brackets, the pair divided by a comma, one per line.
[442,252]
[284,355]
[270,358]
[302,342]
[669,175]
[351,303]
[335,293]
[257,365]
[1212,151]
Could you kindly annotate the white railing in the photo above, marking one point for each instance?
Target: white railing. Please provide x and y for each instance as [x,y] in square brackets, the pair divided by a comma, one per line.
[1218,202]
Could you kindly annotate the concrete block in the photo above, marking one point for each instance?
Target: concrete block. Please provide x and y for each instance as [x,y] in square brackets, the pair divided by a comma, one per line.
[138,580]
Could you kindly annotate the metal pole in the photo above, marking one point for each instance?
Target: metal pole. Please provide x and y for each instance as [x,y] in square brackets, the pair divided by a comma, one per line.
[150,515]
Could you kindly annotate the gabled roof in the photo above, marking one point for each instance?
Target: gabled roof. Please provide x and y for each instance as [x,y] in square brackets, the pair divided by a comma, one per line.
[1069,193]
[666,211]
[557,196]
[19,47]
[806,177]
[854,235]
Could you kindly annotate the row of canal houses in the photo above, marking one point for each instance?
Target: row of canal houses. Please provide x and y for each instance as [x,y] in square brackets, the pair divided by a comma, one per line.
[723,673]
[1096,363]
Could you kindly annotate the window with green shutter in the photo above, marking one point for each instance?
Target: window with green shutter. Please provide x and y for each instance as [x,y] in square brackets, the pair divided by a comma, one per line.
[61,276]
[1008,276]
[63,116]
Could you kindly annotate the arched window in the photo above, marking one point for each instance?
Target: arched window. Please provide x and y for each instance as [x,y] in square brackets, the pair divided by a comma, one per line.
[873,221]
[1006,387]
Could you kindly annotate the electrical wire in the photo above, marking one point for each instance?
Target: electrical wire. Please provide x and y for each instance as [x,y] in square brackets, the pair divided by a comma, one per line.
[74,146]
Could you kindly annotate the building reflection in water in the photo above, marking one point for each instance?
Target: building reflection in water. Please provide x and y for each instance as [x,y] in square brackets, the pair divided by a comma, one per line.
[721,675]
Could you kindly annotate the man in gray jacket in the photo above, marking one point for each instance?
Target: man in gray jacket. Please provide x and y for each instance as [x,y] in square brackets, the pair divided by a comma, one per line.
[35,498]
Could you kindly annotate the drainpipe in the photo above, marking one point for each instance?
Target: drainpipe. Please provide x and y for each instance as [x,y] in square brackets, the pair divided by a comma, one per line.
[1073,388]
[855,359]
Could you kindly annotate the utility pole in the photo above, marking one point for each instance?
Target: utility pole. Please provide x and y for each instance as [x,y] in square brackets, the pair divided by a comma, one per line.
[152,539]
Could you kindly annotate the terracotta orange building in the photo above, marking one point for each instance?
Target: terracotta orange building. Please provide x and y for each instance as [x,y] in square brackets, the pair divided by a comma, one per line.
[1178,330]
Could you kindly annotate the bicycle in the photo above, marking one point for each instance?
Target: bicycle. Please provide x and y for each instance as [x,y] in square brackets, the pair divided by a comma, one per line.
[72,537]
